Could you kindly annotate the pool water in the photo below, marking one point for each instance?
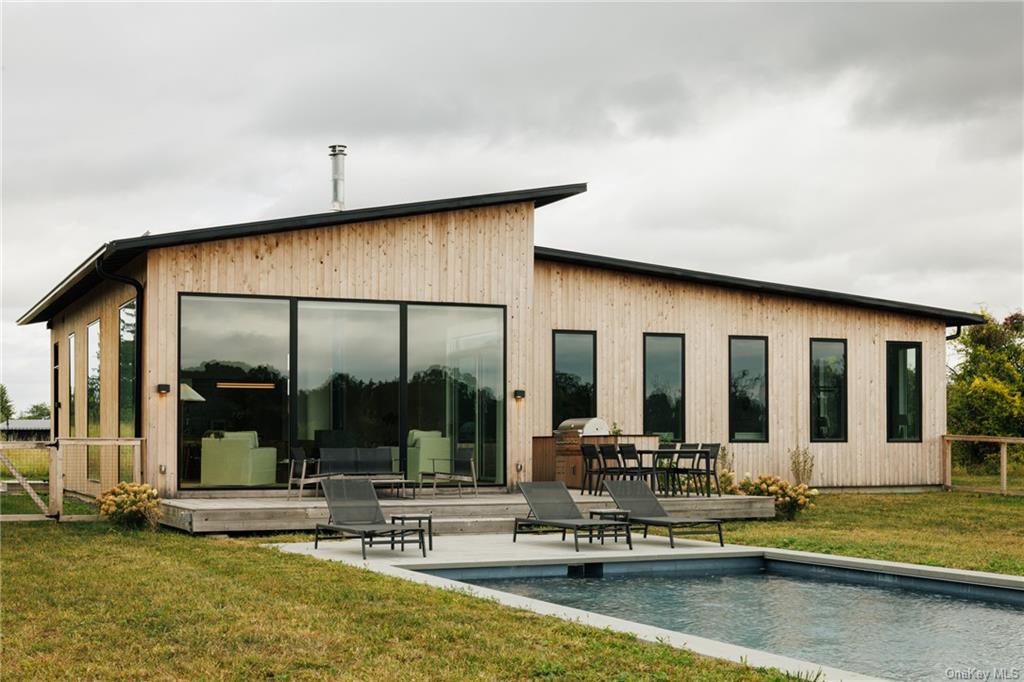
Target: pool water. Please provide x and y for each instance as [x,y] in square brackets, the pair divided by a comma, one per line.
[892,632]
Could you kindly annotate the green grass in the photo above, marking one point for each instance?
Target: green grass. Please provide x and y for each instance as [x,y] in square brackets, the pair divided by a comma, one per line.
[17,502]
[986,479]
[33,464]
[113,604]
[954,529]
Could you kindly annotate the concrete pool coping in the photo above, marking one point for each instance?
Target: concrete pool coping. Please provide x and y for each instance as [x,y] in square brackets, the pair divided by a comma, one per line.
[493,551]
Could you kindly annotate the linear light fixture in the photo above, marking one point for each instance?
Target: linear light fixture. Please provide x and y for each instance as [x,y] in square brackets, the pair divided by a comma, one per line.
[244,384]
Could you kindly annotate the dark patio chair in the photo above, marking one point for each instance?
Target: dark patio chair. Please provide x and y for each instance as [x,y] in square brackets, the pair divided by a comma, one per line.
[459,468]
[686,472]
[592,468]
[707,461]
[551,506]
[632,464]
[303,469]
[645,510]
[355,512]
[337,461]
[611,465]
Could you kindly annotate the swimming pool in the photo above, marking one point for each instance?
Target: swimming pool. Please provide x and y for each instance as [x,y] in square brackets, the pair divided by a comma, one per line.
[901,627]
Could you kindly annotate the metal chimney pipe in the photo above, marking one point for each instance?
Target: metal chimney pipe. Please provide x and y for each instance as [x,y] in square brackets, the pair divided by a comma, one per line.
[337,154]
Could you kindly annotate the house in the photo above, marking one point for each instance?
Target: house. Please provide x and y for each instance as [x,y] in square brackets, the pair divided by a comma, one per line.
[25,429]
[431,329]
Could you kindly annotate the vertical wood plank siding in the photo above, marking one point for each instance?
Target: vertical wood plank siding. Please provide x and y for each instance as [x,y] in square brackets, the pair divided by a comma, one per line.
[621,307]
[480,255]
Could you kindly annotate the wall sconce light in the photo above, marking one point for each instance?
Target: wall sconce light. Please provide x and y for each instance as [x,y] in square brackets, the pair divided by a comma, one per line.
[163,389]
[519,394]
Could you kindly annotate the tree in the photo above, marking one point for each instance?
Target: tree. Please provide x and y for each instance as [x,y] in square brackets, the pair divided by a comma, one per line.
[36,411]
[985,393]
[6,406]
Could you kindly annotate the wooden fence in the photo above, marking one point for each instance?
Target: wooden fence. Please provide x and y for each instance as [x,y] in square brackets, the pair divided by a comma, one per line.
[80,466]
[1003,441]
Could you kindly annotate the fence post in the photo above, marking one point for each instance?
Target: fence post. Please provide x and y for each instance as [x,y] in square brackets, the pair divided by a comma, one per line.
[56,502]
[947,464]
[1002,468]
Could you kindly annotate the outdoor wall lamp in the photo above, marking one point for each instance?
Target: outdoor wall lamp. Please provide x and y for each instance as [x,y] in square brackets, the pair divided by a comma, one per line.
[519,394]
[163,389]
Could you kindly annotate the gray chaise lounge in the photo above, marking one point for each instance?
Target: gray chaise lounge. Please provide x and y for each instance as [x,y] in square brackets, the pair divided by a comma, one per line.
[551,506]
[645,510]
[355,512]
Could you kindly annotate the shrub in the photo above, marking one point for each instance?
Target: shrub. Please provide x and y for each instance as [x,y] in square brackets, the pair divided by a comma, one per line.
[789,499]
[801,464]
[131,505]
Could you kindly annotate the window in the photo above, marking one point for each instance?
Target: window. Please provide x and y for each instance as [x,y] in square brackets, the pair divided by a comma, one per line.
[903,391]
[575,376]
[92,399]
[664,412]
[748,389]
[71,385]
[828,390]
[233,392]
[456,389]
[126,387]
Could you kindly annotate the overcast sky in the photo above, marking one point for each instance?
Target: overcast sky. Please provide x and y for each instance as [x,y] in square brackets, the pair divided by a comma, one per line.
[867,148]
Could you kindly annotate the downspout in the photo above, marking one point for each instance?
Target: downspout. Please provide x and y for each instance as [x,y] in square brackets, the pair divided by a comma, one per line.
[139,298]
[954,335]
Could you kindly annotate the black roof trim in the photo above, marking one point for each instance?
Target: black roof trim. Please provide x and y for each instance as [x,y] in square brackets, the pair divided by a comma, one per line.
[119,252]
[951,317]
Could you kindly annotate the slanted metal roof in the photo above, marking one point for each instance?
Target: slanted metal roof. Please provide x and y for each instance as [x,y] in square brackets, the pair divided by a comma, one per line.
[25,425]
[951,317]
[119,252]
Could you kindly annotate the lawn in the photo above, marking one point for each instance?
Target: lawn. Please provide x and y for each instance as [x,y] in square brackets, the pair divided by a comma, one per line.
[33,464]
[17,502]
[955,529]
[110,604]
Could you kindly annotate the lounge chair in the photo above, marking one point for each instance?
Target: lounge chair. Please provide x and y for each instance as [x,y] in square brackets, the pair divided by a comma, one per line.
[551,506]
[645,510]
[355,512]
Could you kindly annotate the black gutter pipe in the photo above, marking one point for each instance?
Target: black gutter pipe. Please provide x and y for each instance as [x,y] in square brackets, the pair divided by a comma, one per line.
[954,335]
[139,298]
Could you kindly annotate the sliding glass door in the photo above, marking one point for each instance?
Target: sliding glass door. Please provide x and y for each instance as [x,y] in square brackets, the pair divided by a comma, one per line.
[233,392]
[348,375]
[456,390]
[423,385]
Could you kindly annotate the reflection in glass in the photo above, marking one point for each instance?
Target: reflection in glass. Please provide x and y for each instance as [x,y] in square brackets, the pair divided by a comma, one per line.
[92,399]
[348,367]
[828,390]
[126,387]
[71,385]
[456,389]
[663,386]
[903,391]
[575,386]
[234,356]
[748,389]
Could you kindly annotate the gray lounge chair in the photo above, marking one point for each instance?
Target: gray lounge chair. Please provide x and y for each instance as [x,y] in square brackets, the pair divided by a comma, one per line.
[645,510]
[355,512]
[551,506]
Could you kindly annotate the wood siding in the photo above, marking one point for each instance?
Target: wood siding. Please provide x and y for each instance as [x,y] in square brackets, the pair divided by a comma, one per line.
[469,256]
[621,307]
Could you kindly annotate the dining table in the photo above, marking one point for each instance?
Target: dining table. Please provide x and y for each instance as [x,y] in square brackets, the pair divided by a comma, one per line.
[658,453]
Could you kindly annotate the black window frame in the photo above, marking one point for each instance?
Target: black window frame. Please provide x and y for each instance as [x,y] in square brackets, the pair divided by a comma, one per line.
[767,393]
[682,380]
[292,420]
[845,390]
[72,385]
[554,336]
[889,347]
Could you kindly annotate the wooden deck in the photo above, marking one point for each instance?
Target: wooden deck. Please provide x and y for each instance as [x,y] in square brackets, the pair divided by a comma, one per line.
[486,513]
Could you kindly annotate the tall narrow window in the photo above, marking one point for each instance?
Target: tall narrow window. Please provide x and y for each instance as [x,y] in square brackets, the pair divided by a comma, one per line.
[55,411]
[92,398]
[903,391]
[828,390]
[126,387]
[71,385]
[663,386]
[575,376]
[748,389]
